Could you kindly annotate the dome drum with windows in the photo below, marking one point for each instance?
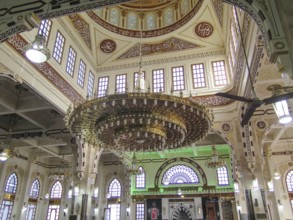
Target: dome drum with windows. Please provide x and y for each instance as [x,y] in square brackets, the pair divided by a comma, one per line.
[139,121]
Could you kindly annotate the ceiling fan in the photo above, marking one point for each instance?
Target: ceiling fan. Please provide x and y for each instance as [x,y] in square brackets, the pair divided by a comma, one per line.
[254,103]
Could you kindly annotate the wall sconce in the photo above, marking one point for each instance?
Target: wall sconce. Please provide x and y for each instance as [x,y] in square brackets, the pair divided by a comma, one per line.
[179,192]
[277,174]
[271,186]
[238,205]
[76,190]
[128,211]
[96,192]
[254,183]
[47,196]
[70,192]
[255,202]
[199,210]
[236,186]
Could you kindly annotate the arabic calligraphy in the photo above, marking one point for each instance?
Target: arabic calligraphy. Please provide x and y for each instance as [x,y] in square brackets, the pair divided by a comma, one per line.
[108,46]
[204,29]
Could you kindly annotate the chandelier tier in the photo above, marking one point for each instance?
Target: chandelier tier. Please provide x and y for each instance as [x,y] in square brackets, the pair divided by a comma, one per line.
[139,121]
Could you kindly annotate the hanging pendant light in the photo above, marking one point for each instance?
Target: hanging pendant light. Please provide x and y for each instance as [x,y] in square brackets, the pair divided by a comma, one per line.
[37,52]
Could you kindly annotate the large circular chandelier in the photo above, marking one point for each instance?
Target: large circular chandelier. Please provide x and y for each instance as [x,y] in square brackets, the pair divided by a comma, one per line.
[139,121]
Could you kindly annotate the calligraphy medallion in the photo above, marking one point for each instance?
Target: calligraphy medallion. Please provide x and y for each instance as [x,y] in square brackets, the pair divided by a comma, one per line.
[204,29]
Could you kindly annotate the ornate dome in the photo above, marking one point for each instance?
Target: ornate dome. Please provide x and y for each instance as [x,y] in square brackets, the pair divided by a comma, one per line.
[153,17]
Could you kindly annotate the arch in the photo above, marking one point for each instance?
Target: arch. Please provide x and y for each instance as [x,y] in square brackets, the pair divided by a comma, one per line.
[115,188]
[140,179]
[180,174]
[11,183]
[181,212]
[35,189]
[56,190]
[289,181]
[184,160]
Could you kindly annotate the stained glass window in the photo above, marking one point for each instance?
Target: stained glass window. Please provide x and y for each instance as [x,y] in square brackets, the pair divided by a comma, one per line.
[44,29]
[115,188]
[58,47]
[121,83]
[198,75]
[132,21]
[11,184]
[6,210]
[158,80]
[35,189]
[150,22]
[222,174]
[178,78]
[31,211]
[219,71]
[53,212]
[289,181]
[56,191]
[140,179]
[168,16]
[180,174]
[71,61]
[114,16]
[81,73]
[103,83]
[139,211]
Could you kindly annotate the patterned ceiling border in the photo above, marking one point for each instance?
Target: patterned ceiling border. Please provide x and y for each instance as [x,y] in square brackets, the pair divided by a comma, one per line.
[17,42]
[162,60]
[219,7]
[148,33]
[169,45]
[82,27]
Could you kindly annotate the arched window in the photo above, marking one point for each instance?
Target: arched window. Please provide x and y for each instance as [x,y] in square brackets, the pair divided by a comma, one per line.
[33,196]
[140,179]
[56,191]
[35,189]
[222,174]
[7,205]
[115,188]
[289,183]
[180,174]
[56,195]
[11,184]
[113,210]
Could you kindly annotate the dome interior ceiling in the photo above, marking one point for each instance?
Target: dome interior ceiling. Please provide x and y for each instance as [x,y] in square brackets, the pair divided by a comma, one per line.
[165,29]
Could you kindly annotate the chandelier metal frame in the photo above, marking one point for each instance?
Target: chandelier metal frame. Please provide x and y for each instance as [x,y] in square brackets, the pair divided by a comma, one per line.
[139,121]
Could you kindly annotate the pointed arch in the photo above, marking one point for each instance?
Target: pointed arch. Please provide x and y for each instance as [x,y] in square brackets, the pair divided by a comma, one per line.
[11,183]
[56,190]
[115,188]
[35,189]
[10,188]
[140,179]
[289,181]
